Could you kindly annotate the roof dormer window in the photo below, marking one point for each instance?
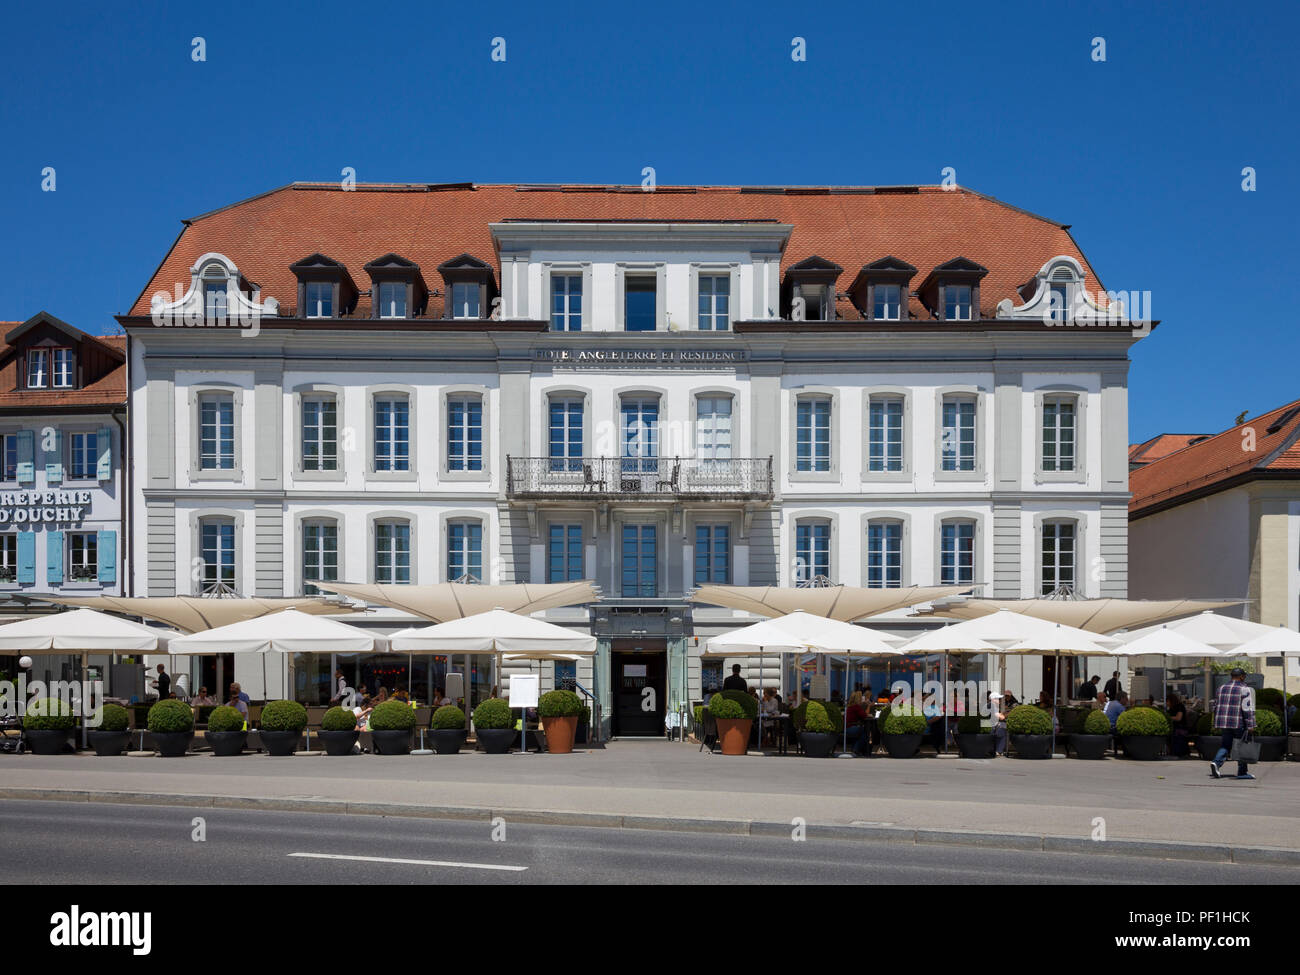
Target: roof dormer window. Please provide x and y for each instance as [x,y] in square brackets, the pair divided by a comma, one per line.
[882,288]
[64,370]
[38,368]
[216,297]
[809,290]
[397,288]
[952,290]
[325,289]
[470,287]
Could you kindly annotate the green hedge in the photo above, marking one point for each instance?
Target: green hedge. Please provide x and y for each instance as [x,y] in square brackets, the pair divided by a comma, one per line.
[338,719]
[392,716]
[1267,722]
[559,704]
[283,716]
[905,720]
[170,716]
[736,705]
[1028,719]
[494,713]
[969,724]
[1142,721]
[448,717]
[1096,723]
[225,718]
[49,714]
[1073,717]
[816,721]
[800,714]
[1204,724]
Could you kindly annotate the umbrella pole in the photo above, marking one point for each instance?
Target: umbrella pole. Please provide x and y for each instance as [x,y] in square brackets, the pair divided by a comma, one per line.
[1056,686]
[263,678]
[944,699]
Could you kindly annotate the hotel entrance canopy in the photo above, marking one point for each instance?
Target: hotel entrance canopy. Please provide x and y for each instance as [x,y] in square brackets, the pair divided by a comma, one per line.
[454,600]
[192,614]
[1096,615]
[843,603]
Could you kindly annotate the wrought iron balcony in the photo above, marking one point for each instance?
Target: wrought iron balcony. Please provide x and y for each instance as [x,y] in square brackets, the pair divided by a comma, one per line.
[640,478]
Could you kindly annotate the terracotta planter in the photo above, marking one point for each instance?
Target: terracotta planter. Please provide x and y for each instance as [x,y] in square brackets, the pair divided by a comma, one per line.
[560,733]
[733,735]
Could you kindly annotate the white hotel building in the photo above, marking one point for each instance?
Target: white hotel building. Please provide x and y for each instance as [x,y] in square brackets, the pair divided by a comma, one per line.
[653,390]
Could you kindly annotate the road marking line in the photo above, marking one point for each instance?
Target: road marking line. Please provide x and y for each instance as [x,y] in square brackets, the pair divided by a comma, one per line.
[420,863]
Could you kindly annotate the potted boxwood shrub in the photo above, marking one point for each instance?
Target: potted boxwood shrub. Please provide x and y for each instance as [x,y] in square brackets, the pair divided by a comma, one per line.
[390,728]
[1030,730]
[972,740]
[113,733]
[448,732]
[171,723]
[1268,732]
[818,736]
[494,726]
[1095,738]
[902,730]
[338,729]
[734,712]
[1144,733]
[226,733]
[47,725]
[280,727]
[559,711]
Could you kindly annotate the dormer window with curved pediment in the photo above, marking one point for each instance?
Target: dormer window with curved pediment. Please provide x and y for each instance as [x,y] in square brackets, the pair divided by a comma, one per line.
[218,295]
[952,290]
[881,290]
[469,288]
[397,288]
[325,288]
[1055,295]
[808,292]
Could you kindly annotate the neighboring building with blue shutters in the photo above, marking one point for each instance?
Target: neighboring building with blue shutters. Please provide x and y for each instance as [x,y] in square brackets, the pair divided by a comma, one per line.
[62,428]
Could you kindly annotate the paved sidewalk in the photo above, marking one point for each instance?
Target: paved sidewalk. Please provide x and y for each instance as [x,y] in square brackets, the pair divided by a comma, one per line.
[1148,801]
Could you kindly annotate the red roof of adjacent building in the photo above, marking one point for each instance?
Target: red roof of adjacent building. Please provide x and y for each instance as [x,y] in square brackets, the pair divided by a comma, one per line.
[1161,445]
[101,363]
[925,226]
[1265,446]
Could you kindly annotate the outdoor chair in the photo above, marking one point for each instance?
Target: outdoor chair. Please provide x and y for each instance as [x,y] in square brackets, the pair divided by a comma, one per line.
[669,485]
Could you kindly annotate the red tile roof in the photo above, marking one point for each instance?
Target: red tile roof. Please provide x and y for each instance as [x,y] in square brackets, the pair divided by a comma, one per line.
[925,226]
[108,390]
[1161,445]
[1220,461]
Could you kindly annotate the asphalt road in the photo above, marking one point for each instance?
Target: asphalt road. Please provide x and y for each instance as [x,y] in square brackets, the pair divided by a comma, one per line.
[110,844]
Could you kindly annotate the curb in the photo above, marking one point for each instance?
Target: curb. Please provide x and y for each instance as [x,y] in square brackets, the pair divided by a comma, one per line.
[1022,842]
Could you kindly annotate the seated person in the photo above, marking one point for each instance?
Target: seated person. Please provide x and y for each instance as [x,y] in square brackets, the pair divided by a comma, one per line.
[858,725]
[769,706]
[999,724]
[1115,708]
[204,699]
[1179,738]
[238,700]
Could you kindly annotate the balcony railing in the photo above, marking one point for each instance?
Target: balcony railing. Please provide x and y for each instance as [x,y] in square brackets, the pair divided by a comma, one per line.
[676,478]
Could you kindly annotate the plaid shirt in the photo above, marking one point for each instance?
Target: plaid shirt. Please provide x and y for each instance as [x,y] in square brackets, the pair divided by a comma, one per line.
[1234,706]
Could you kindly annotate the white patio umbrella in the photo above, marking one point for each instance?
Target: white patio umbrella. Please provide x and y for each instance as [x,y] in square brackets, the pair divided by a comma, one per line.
[83,631]
[508,635]
[800,632]
[288,631]
[1279,641]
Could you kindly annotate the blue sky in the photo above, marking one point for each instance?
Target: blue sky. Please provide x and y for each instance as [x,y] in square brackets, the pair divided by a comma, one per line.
[1141,154]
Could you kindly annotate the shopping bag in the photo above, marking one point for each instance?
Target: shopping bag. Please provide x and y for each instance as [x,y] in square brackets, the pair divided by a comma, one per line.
[1245,749]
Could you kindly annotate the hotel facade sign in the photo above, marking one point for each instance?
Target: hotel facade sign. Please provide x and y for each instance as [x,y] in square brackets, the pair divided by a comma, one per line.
[605,358]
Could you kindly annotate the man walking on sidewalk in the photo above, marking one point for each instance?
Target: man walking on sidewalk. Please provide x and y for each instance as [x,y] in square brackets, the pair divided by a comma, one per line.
[1234,713]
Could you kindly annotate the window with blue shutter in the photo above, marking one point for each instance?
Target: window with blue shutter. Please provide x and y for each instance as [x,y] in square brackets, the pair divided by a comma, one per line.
[53,445]
[54,558]
[107,545]
[27,557]
[26,456]
[105,471]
